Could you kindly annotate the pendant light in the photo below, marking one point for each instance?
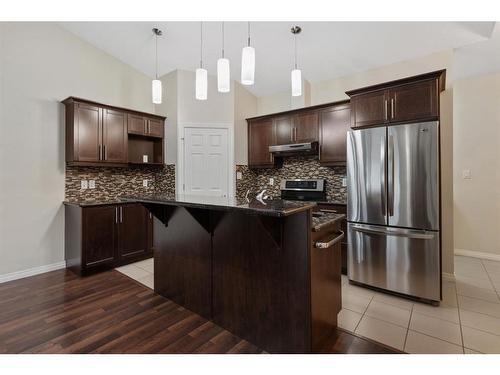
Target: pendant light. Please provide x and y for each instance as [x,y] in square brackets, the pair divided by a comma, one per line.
[223,72]
[156,89]
[201,74]
[248,63]
[296,73]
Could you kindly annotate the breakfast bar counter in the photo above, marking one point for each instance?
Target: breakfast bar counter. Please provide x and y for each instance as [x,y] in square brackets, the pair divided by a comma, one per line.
[251,267]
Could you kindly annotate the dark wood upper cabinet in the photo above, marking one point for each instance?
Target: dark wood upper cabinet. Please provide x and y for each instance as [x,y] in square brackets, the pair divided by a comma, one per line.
[155,128]
[260,136]
[405,100]
[370,108]
[133,230]
[102,135]
[305,127]
[136,124]
[85,133]
[414,101]
[283,128]
[99,235]
[114,136]
[334,124]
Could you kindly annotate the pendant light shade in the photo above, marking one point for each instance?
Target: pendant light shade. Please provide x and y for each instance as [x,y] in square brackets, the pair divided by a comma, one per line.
[248,66]
[201,84]
[223,75]
[296,76]
[223,72]
[296,82]
[156,91]
[248,63]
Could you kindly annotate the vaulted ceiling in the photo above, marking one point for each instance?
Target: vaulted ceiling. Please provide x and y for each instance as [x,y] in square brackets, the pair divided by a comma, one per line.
[325,49]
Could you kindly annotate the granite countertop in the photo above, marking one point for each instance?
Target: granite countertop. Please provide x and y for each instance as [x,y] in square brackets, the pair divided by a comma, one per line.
[319,222]
[93,202]
[270,207]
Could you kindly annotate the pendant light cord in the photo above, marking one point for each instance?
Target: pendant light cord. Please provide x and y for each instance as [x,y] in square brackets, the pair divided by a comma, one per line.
[156,53]
[248,33]
[201,44]
[222,39]
[295,47]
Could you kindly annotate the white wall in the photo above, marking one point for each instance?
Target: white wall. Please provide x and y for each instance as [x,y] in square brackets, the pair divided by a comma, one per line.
[168,108]
[476,107]
[245,106]
[40,65]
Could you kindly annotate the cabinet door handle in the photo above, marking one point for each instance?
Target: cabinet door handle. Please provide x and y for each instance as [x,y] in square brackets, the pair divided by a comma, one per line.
[121,214]
[392,108]
[116,215]
[100,152]
[145,126]
[150,215]
[385,109]
[104,152]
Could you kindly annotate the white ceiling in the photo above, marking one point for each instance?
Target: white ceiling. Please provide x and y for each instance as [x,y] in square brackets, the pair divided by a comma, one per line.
[325,49]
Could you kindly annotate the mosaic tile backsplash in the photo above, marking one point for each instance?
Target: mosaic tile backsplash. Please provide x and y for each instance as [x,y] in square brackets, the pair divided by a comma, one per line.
[111,182]
[256,180]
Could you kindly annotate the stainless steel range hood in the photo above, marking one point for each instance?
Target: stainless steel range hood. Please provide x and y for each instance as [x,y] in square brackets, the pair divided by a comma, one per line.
[307,148]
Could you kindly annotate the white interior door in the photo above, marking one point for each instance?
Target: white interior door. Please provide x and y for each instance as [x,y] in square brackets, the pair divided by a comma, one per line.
[206,161]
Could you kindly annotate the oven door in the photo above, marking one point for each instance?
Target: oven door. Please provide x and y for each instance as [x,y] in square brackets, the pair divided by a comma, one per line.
[400,260]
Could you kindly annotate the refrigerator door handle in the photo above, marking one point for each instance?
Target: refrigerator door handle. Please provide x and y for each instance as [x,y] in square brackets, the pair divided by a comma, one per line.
[383,187]
[408,233]
[390,175]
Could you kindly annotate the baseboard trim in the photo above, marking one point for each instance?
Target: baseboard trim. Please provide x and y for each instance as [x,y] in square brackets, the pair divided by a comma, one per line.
[31,272]
[477,254]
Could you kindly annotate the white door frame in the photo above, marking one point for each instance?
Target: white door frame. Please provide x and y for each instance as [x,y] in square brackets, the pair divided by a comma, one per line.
[179,170]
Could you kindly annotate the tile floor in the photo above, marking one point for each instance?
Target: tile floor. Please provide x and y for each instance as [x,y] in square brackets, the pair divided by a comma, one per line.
[467,321]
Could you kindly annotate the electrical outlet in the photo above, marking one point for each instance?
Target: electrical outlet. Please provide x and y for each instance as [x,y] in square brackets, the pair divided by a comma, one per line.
[91,184]
[271,181]
[239,175]
[145,183]
[84,184]
[466,174]
[344,181]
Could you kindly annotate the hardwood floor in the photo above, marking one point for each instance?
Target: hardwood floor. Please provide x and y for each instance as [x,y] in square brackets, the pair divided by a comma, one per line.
[59,312]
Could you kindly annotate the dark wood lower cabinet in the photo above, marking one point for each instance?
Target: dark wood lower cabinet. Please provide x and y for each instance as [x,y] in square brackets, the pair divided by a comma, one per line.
[340,209]
[100,237]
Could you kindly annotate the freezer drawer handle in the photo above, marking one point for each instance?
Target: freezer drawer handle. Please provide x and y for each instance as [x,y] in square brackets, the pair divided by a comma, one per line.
[333,241]
[415,235]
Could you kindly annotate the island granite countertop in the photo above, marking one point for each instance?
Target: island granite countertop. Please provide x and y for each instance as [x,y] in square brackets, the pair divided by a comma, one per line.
[271,207]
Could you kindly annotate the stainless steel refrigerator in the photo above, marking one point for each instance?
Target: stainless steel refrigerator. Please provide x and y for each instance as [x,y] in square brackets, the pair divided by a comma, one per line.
[393,208]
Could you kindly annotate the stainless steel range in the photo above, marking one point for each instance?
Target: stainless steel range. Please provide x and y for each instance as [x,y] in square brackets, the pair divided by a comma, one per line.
[304,190]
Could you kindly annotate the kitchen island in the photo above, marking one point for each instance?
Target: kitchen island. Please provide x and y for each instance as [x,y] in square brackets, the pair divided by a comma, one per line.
[251,267]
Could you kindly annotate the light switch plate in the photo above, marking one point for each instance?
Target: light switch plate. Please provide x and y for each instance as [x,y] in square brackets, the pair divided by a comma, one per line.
[239,175]
[466,174]
[144,158]
[344,181]
[271,181]
[84,184]
[145,183]
[91,184]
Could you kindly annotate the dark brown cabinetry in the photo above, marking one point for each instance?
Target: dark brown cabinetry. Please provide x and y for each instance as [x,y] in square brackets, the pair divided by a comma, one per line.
[305,126]
[327,123]
[405,100]
[334,124]
[338,209]
[261,135]
[283,129]
[98,237]
[98,134]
